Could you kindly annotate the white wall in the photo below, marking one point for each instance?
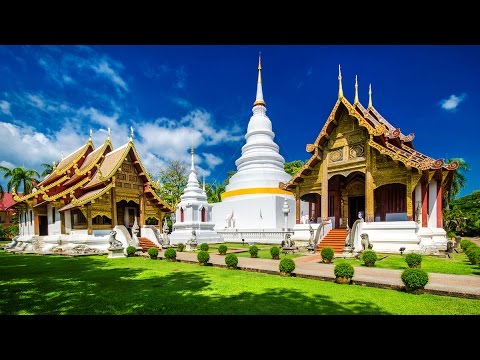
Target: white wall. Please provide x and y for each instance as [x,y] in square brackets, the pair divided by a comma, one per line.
[432,204]
[68,222]
[53,225]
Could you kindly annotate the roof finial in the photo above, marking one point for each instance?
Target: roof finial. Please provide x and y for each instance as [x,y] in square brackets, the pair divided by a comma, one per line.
[131,133]
[61,154]
[203,182]
[259,100]
[355,101]
[108,134]
[340,89]
[192,168]
[90,139]
[370,104]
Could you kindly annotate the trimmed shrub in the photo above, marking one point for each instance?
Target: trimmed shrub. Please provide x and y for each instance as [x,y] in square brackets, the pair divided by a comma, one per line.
[344,270]
[369,257]
[253,250]
[180,247]
[170,254]
[275,252]
[231,260]
[465,244]
[413,260]
[327,255]
[203,257]
[153,252]
[222,249]
[131,250]
[414,280]
[472,253]
[204,247]
[286,266]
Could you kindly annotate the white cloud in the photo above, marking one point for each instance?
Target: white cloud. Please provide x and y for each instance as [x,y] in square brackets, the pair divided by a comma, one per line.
[103,68]
[5,107]
[181,78]
[181,102]
[212,160]
[7,164]
[452,102]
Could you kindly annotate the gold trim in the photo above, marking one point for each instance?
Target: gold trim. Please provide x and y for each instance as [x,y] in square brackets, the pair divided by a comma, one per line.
[75,160]
[65,192]
[255,191]
[95,161]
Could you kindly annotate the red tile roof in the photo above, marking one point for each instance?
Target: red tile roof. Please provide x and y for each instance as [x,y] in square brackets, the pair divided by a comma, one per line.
[7,201]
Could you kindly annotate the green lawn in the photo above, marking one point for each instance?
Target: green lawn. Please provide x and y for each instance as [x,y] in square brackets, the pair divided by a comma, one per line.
[265,254]
[34,284]
[458,265]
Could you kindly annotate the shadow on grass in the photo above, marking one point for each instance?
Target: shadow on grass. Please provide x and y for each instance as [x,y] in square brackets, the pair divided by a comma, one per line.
[54,285]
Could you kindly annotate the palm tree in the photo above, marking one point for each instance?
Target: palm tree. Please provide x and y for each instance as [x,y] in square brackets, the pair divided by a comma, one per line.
[20,176]
[47,169]
[459,180]
[214,192]
[1,192]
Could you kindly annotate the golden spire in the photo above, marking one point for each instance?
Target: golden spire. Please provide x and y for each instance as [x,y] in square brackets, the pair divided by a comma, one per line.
[355,101]
[90,138]
[259,100]
[340,89]
[370,104]
[131,133]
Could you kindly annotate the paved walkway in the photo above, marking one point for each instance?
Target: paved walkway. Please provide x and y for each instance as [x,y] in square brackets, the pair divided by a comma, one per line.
[467,286]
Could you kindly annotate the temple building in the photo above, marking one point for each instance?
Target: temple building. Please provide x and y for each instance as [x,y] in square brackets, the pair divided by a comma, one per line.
[193,217]
[363,166]
[89,193]
[253,200]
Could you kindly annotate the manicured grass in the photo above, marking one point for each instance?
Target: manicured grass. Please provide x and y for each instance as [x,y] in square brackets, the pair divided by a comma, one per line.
[90,285]
[458,265]
[265,254]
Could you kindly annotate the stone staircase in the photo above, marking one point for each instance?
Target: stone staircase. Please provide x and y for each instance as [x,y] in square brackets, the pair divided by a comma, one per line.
[146,244]
[335,239]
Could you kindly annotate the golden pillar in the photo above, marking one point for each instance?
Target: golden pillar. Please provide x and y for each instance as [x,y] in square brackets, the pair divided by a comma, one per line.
[369,200]
[409,193]
[297,206]
[36,221]
[89,219]
[324,199]
[113,204]
[142,209]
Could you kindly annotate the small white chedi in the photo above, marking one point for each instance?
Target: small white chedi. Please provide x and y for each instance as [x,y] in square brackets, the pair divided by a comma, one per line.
[193,216]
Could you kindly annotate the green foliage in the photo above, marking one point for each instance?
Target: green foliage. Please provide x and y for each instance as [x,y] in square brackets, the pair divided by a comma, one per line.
[20,176]
[275,252]
[327,254]
[369,257]
[463,215]
[344,269]
[153,252]
[413,260]
[229,175]
[203,256]
[214,192]
[473,252]
[173,179]
[293,167]
[170,254]
[222,249]
[131,250]
[286,265]
[180,247]
[8,231]
[231,260]
[465,244]
[414,279]
[459,181]
[47,169]
[253,250]
[204,247]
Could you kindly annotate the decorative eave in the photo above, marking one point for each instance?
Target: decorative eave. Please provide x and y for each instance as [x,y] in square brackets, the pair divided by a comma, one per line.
[143,171]
[160,201]
[40,191]
[66,191]
[101,153]
[86,198]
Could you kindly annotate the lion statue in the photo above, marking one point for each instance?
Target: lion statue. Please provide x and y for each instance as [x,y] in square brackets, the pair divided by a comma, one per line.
[365,242]
[114,243]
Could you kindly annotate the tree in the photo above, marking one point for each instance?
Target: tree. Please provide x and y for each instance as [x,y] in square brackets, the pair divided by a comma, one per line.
[464,215]
[20,176]
[459,180]
[214,192]
[293,167]
[173,180]
[229,175]
[47,169]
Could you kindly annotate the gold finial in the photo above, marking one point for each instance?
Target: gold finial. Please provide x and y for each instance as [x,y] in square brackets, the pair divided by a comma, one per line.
[108,134]
[340,89]
[355,101]
[370,104]
[131,133]
[91,132]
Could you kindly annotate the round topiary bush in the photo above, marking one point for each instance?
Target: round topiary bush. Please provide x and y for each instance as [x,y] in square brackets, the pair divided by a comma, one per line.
[286,266]
[231,260]
[327,255]
[465,244]
[131,250]
[253,250]
[414,280]
[369,257]
[343,272]
[472,253]
[204,247]
[203,257]
[275,252]
[153,252]
[170,254]
[413,260]
[180,247]
[222,249]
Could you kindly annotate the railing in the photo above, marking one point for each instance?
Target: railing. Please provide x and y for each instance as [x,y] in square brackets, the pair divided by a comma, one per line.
[253,235]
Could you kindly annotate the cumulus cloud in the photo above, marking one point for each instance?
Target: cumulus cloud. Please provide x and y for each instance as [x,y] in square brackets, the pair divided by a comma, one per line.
[5,107]
[452,103]
[103,68]
[212,160]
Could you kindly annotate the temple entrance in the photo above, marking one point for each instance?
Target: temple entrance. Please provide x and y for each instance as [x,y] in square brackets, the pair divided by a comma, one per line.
[126,214]
[310,208]
[43,225]
[356,204]
[390,202]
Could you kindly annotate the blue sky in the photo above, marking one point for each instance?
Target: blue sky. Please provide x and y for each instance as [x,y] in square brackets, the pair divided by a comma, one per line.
[176,96]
